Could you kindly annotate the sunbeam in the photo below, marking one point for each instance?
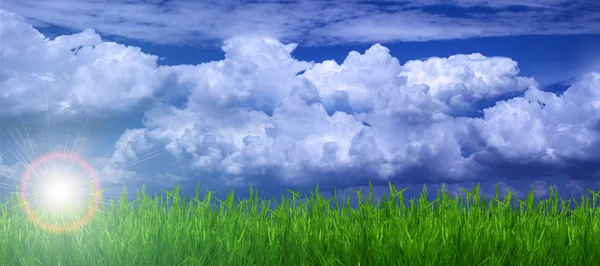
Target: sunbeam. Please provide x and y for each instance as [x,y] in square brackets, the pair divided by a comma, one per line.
[58,191]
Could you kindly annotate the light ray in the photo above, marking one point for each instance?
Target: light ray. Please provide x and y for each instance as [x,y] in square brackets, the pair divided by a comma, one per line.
[77,137]
[15,139]
[105,156]
[43,189]
[146,157]
[31,142]
[57,192]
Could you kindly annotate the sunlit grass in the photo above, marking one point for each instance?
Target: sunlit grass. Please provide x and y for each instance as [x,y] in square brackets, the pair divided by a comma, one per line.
[313,230]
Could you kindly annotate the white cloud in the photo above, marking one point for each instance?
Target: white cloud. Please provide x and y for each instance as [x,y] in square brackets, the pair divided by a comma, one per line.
[541,188]
[167,180]
[223,132]
[130,145]
[410,108]
[251,118]
[444,85]
[541,127]
[504,189]
[130,148]
[70,74]
[256,73]
[460,80]
[311,22]
[575,187]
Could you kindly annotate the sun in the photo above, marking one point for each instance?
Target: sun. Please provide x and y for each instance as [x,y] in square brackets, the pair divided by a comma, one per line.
[60,192]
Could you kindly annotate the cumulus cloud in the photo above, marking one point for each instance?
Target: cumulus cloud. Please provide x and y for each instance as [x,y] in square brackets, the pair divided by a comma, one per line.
[370,82]
[313,22]
[71,73]
[461,80]
[369,117]
[130,148]
[260,116]
[554,133]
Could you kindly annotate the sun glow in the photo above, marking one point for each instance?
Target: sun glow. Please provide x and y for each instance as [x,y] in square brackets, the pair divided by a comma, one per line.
[61,192]
[60,184]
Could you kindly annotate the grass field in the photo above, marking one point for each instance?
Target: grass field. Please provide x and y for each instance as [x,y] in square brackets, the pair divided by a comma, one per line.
[313,230]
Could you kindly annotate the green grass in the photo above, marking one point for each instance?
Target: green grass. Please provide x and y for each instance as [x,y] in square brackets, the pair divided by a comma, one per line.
[313,230]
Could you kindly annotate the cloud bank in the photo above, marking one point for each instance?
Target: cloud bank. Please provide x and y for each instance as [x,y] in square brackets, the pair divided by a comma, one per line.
[260,116]
[70,73]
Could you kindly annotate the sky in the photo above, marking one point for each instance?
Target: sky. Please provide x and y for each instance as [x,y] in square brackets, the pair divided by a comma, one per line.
[291,94]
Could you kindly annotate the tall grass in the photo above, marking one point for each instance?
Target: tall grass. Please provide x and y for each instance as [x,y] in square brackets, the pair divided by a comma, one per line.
[313,230]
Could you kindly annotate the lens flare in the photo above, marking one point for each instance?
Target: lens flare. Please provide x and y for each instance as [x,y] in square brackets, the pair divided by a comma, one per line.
[60,190]
[60,194]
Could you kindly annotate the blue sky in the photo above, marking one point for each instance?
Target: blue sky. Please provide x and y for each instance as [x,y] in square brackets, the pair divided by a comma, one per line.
[277,95]
[551,59]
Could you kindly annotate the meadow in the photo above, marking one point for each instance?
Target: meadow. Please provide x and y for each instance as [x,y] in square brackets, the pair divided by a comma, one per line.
[309,229]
